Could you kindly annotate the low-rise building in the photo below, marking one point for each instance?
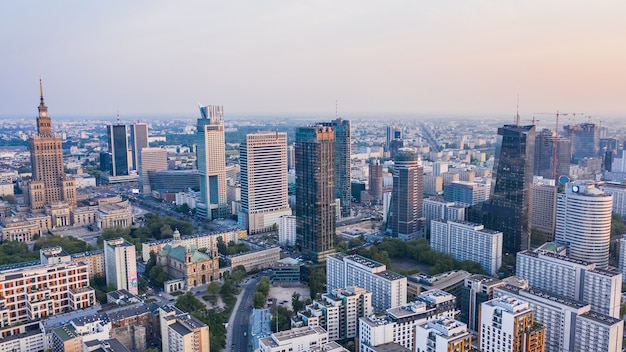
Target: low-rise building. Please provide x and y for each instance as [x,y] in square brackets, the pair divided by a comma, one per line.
[286,271]
[311,339]
[255,259]
[201,241]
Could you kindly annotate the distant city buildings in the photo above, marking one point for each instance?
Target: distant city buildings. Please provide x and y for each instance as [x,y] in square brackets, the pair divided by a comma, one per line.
[585,139]
[138,141]
[117,135]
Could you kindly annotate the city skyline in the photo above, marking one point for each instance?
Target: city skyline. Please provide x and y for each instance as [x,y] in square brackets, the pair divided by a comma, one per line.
[401,58]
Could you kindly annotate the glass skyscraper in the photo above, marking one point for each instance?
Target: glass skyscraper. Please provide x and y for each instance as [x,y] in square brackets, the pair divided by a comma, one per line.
[343,170]
[211,159]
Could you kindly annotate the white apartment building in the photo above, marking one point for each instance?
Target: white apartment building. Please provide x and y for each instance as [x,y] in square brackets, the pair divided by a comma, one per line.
[587,239]
[507,324]
[618,191]
[397,325]
[435,208]
[121,265]
[38,291]
[622,257]
[388,288]
[442,335]
[338,312]
[28,337]
[572,278]
[287,230]
[182,332]
[597,332]
[305,339]
[560,315]
[468,241]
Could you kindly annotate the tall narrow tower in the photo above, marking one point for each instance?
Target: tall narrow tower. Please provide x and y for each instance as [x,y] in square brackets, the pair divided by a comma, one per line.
[315,191]
[407,194]
[49,183]
[117,135]
[211,159]
[508,209]
[343,170]
[138,140]
[264,198]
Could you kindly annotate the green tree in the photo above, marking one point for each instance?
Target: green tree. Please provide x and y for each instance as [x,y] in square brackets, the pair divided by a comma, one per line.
[70,244]
[317,279]
[12,252]
[263,286]
[296,303]
[213,288]
[188,303]
[284,319]
[10,199]
[166,231]
[258,300]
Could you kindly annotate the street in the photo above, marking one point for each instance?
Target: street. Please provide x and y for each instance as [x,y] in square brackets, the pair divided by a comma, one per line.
[239,322]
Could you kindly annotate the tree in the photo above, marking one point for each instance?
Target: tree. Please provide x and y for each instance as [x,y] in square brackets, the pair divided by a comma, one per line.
[166,231]
[296,303]
[264,286]
[284,319]
[10,199]
[12,252]
[258,300]
[70,244]
[188,303]
[317,279]
[213,288]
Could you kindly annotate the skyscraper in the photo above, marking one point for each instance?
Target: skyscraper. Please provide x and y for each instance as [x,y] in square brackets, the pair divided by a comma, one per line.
[49,182]
[121,264]
[211,159]
[118,148]
[315,191]
[585,139]
[138,140]
[583,222]
[343,170]
[545,142]
[407,194]
[376,182]
[151,161]
[264,199]
[508,209]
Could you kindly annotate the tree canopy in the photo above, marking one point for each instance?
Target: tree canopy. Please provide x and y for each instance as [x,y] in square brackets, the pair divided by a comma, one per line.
[70,244]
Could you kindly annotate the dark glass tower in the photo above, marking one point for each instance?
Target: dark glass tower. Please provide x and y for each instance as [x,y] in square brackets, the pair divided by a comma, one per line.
[315,191]
[343,170]
[118,147]
[508,209]
[585,139]
[545,142]
[407,194]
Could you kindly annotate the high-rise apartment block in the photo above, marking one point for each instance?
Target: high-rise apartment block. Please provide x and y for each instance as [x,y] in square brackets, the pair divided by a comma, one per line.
[343,168]
[315,191]
[618,191]
[264,199]
[407,194]
[138,141]
[338,312]
[433,185]
[585,139]
[397,325]
[299,339]
[586,240]
[508,324]
[49,183]
[388,288]
[182,332]
[151,161]
[117,137]
[121,265]
[287,230]
[572,278]
[543,213]
[508,209]
[476,290]
[468,241]
[376,182]
[442,335]
[464,193]
[545,143]
[211,159]
[561,316]
[436,208]
[28,293]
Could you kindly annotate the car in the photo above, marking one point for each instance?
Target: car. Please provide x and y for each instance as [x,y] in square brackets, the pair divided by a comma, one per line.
[245,333]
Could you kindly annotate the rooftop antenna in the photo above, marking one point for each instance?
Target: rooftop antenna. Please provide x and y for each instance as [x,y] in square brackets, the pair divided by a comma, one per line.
[336,109]
[40,87]
[517,112]
[118,117]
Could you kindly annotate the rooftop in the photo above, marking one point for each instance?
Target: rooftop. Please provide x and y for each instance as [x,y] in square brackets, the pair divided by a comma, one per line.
[601,318]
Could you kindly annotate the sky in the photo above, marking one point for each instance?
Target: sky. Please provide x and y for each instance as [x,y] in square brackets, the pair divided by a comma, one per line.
[376,58]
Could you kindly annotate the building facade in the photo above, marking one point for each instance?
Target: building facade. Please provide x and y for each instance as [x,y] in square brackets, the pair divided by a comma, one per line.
[117,135]
[182,332]
[150,160]
[121,265]
[442,335]
[211,159]
[545,143]
[138,141]
[407,194]
[343,167]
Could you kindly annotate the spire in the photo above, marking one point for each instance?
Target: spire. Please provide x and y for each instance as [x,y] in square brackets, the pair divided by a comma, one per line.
[41,104]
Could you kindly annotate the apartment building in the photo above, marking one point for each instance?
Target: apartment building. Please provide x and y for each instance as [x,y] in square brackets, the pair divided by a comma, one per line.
[442,335]
[181,332]
[305,339]
[121,265]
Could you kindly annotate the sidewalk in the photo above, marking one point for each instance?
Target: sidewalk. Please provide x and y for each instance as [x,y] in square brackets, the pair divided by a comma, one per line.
[229,329]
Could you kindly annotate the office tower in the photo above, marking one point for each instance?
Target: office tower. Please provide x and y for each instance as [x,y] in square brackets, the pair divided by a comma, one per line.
[585,138]
[121,264]
[572,278]
[561,317]
[287,230]
[39,291]
[395,146]
[117,135]
[583,222]
[388,288]
[392,133]
[543,209]
[476,290]
[440,167]
[343,169]
[442,335]
[396,325]
[545,142]
[407,194]
[182,332]
[338,312]
[618,191]
[211,159]
[508,324]
[151,161]
[138,140]
[508,208]
[315,191]
[263,160]
[464,193]
[376,182]
[433,185]
[468,241]
[49,183]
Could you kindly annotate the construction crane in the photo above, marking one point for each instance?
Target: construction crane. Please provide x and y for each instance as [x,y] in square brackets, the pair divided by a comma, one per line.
[556,139]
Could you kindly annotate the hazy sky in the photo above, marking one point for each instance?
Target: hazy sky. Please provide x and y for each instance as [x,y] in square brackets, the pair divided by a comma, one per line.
[283,57]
